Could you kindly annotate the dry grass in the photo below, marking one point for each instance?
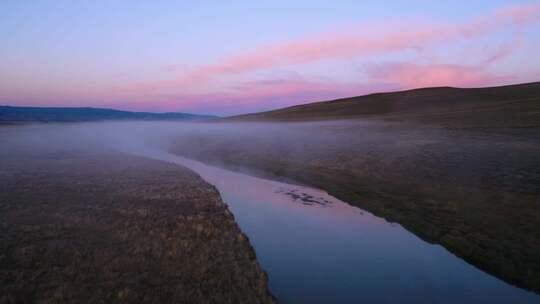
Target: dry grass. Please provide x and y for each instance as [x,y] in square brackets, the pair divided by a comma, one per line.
[111,228]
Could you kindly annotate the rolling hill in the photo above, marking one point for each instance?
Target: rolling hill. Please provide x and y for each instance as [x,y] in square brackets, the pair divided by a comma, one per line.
[504,106]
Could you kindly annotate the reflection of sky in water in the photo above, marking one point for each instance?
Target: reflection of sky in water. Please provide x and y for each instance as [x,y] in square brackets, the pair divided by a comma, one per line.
[337,253]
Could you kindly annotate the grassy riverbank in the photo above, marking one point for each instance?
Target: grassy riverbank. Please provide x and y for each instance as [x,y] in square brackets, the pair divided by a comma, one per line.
[108,227]
[457,167]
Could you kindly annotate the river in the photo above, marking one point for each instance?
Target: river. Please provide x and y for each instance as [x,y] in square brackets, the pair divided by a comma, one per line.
[318,249]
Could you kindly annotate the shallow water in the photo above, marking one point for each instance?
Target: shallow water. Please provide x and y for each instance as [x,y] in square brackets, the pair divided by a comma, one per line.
[318,249]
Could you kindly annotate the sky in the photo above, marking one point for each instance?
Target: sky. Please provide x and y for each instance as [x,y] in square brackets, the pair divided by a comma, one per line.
[233,57]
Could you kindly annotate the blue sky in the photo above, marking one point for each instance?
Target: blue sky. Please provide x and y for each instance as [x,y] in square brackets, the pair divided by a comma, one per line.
[233,57]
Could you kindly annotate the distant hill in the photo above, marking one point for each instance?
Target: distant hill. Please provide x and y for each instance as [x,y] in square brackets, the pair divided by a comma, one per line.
[10,114]
[505,106]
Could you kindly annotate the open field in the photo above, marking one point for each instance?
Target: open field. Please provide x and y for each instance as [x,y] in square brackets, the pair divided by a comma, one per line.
[107,227]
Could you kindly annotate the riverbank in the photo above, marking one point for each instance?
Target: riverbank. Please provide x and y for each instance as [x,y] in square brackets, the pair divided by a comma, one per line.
[108,227]
[474,192]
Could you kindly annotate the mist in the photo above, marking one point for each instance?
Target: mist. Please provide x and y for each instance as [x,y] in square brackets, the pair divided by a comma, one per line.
[377,148]
[135,137]
[277,150]
[379,154]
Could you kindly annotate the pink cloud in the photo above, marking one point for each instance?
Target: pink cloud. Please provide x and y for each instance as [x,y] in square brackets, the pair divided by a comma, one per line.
[412,75]
[263,95]
[351,43]
[270,94]
[346,46]
[502,51]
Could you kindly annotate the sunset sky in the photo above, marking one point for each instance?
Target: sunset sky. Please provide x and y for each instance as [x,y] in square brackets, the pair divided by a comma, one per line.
[232,57]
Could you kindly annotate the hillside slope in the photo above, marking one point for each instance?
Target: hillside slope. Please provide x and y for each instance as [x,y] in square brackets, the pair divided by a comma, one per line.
[506,106]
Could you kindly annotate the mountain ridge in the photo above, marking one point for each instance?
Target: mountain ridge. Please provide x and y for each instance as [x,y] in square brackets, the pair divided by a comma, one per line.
[16,114]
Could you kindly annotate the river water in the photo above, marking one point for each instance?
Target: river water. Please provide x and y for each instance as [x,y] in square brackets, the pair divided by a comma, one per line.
[318,249]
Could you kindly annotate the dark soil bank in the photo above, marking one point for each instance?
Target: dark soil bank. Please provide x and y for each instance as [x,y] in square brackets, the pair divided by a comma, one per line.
[115,228]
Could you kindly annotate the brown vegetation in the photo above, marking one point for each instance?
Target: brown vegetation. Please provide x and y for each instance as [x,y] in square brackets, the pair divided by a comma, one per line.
[99,228]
